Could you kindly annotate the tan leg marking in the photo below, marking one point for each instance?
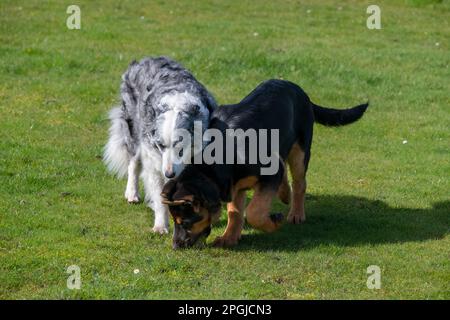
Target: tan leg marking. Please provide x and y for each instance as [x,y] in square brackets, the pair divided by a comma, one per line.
[284,191]
[235,210]
[258,211]
[297,166]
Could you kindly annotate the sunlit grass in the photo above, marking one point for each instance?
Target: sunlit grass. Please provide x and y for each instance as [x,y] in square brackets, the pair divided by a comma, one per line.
[373,199]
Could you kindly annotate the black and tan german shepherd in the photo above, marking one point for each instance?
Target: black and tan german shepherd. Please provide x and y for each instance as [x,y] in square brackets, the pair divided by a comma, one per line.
[194,198]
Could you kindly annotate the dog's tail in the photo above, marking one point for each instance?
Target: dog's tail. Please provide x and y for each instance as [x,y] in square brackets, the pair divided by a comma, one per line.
[336,117]
[121,147]
[116,154]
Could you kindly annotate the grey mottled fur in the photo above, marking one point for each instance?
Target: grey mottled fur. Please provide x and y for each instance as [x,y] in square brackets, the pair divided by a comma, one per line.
[136,124]
[143,86]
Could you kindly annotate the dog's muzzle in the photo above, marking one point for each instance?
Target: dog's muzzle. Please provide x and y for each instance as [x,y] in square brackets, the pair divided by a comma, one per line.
[188,241]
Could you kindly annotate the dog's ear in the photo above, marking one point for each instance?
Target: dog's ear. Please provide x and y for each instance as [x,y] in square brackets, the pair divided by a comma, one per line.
[168,190]
[176,202]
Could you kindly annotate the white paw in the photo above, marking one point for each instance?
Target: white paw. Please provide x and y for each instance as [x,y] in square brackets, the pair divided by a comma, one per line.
[132,197]
[160,229]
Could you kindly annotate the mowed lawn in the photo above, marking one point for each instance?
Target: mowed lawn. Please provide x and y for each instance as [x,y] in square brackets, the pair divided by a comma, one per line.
[378,190]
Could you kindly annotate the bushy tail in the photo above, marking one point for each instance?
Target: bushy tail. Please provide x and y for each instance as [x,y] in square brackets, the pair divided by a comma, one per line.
[116,153]
[336,117]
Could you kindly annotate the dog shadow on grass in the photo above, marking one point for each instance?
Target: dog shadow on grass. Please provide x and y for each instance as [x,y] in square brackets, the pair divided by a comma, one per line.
[351,221]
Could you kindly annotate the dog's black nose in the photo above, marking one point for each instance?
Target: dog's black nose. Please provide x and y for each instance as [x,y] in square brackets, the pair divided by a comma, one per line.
[169,175]
[177,244]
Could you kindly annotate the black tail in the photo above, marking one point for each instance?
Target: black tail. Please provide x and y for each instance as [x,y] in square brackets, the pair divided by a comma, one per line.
[335,117]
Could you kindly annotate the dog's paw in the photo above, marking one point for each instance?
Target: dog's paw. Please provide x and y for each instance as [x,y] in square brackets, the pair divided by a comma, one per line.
[133,199]
[132,196]
[225,242]
[296,218]
[160,229]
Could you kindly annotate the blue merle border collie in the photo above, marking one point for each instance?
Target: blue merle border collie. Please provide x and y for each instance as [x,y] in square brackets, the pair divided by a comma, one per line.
[159,96]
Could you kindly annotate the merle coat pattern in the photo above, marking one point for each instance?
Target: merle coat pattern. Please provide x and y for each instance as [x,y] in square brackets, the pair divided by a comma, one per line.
[158,96]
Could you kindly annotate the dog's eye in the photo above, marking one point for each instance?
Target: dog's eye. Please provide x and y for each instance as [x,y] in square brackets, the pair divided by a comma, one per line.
[180,139]
[160,146]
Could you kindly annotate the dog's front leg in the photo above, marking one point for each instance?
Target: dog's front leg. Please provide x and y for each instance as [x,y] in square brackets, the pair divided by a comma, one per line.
[153,184]
[235,224]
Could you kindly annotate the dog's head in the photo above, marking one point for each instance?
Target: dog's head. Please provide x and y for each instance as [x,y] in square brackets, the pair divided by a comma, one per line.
[194,204]
[173,133]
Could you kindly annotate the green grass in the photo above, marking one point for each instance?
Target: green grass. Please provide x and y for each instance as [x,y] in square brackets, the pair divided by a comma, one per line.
[372,200]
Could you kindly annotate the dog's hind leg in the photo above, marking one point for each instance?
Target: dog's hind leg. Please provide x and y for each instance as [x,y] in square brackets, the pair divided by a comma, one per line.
[132,190]
[296,162]
[258,211]
[121,153]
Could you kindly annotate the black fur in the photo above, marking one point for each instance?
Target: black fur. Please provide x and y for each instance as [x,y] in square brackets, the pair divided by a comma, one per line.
[335,117]
[274,104]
